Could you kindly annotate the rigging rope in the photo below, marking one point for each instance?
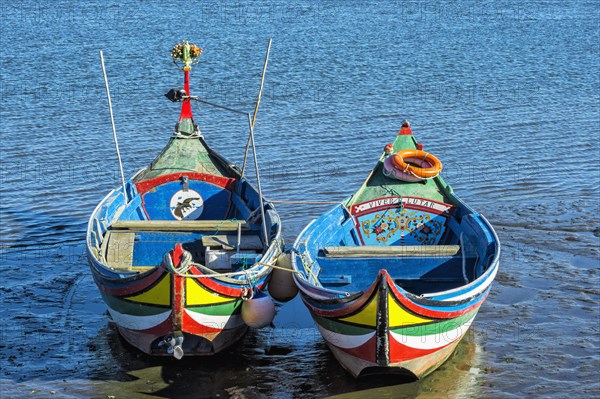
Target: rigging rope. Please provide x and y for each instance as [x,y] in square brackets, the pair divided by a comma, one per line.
[303,202]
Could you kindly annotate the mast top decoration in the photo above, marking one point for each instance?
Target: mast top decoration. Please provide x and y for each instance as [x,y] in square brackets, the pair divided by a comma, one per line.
[186,53]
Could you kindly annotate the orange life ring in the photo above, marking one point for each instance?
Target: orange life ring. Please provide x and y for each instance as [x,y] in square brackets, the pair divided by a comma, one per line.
[424,173]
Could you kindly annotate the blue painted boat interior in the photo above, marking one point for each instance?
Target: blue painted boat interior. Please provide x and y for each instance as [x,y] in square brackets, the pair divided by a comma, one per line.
[220,204]
[217,200]
[149,247]
[416,274]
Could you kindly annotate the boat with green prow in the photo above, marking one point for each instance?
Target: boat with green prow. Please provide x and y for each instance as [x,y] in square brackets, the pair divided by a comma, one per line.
[394,275]
[183,250]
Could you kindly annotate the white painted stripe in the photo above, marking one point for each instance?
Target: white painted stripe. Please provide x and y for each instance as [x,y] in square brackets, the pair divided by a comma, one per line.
[482,287]
[342,340]
[138,322]
[222,322]
[433,341]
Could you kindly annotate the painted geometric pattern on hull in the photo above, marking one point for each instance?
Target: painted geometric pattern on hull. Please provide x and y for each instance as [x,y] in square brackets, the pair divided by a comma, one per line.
[205,312]
[385,333]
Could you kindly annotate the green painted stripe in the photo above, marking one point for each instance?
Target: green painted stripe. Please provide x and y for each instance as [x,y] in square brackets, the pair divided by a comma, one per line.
[225,309]
[435,328]
[340,327]
[131,308]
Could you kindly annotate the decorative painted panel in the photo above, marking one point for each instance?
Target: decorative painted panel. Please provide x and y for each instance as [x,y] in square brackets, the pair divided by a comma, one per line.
[202,201]
[401,221]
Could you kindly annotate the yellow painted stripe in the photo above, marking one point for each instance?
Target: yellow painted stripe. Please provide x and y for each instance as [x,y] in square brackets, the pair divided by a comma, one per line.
[197,295]
[400,317]
[367,316]
[160,294]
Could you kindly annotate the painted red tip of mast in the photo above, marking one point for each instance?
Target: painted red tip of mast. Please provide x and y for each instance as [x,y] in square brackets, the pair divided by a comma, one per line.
[186,106]
[177,255]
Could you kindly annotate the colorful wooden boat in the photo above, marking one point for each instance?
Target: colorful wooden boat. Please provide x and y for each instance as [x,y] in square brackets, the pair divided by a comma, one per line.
[183,247]
[394,275]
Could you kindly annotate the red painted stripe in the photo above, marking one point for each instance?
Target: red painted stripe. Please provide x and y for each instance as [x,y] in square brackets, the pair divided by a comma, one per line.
[186,106]
[350,308]
[143,283]
[167,327]
[224,182]
[159,330]
[190,325]
[178,301]
[419,310]
[366,351]
[428,210]
[405,131]
[398,296]
[214,286]
[400,352]
[357,226]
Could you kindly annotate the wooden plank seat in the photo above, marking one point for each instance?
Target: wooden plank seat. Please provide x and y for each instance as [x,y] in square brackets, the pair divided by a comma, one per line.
[229,242]
[119,251]
[179,225]
[377,251]
[117,248]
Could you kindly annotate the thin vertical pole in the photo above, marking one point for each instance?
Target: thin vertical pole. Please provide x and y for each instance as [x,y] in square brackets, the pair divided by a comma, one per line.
[112,120]
[262,82]
[260,194]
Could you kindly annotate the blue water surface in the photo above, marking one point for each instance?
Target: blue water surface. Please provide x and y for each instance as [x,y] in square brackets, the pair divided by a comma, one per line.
[505,93]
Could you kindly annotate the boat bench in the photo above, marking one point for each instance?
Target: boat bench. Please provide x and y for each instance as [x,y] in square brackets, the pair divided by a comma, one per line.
[130,244]
[179,225]
[415,267]
[229,242]
[378,251]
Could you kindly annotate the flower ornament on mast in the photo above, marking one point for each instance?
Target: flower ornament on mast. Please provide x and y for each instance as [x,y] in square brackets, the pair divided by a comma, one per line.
[186,54]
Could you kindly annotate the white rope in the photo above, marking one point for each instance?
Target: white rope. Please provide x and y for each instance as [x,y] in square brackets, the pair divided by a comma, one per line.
[182,270]
[422,178]
[186,265]
[193,135]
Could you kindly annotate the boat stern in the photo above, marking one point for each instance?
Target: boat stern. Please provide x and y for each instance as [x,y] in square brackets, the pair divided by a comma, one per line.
[163,312]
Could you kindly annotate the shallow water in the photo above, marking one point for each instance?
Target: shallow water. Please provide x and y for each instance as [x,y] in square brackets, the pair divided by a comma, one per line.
[505,93]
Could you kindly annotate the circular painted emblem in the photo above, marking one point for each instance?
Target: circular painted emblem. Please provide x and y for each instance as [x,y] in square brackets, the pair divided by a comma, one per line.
[186,205]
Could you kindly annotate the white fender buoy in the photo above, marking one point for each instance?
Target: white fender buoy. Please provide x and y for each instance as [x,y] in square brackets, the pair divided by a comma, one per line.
[259,311]
[281,285]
